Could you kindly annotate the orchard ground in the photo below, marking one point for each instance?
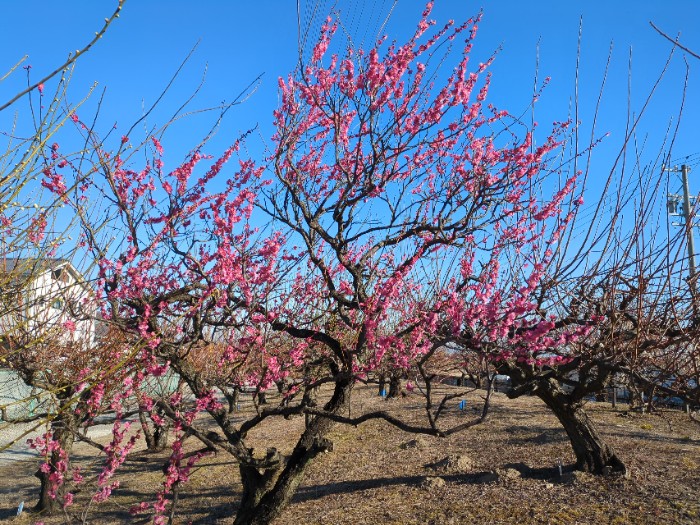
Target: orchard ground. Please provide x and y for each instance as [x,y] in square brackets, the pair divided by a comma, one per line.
[502,471]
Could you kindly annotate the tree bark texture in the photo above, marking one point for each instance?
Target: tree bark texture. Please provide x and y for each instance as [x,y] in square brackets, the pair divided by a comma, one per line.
[63,430]
[266,493]
[394,386]
[592,453]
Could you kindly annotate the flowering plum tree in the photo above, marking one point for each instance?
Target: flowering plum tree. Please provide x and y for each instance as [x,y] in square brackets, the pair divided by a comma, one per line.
[619,281]
[46,332]
[78,378]
[305,269]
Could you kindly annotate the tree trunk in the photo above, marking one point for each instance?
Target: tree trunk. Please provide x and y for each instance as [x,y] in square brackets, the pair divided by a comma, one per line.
[160,437]
[282,386]
[650,400]
[309,400]
[156,436]
[63,430]
[474,378]
[267,493]
[636,398]
[283,389]
[233,397]
[592,453]
[394,386]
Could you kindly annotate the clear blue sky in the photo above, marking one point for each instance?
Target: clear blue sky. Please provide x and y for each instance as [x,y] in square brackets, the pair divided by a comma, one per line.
[239,40]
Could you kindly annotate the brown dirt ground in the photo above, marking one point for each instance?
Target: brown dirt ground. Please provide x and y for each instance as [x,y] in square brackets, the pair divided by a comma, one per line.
[370,478]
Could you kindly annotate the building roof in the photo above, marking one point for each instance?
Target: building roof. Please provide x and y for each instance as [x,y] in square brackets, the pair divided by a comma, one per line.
[27,264]
[21,269]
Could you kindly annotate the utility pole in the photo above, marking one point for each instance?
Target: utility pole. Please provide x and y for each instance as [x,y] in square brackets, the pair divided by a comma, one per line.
[688,224]
[673,201]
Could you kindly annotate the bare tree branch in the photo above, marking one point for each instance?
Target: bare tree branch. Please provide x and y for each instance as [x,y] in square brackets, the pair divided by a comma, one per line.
[674,42]
[71,58]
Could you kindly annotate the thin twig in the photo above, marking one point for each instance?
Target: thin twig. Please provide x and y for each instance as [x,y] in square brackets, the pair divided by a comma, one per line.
[71,58]
[674,42]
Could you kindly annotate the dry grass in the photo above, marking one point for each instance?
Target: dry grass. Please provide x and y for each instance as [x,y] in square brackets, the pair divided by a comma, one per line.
[371,478]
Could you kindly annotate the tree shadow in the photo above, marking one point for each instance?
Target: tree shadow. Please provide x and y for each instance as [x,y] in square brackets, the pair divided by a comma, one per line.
[312,492]
[540,473]
[544,435]
[188,503]
[649,436]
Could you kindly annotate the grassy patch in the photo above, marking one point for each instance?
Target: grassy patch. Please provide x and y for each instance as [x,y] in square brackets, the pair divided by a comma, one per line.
[370,477]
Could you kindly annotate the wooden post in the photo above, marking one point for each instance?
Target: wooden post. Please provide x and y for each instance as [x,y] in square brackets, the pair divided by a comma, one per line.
[614,396]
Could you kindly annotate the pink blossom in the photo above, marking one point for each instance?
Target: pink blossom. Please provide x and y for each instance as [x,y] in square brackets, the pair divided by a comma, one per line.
[158,146]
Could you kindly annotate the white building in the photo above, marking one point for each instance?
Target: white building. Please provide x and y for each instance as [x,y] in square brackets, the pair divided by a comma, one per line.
[44,301]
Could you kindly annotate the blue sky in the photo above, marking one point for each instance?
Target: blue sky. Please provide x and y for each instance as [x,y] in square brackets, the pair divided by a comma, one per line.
[238,41]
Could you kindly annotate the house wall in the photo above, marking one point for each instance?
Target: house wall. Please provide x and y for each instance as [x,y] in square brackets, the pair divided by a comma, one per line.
[50,306]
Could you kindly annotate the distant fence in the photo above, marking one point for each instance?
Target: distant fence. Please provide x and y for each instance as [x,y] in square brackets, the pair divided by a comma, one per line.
[19,401]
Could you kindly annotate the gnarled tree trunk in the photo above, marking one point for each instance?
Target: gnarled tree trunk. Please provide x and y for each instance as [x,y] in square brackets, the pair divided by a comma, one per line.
[156,436]
[394,385]
[267,493]
[64,428]
[233,397]
[592,453]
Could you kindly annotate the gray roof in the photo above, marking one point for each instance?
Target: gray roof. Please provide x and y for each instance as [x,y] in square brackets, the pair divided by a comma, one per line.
[21,269]
[28,264]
